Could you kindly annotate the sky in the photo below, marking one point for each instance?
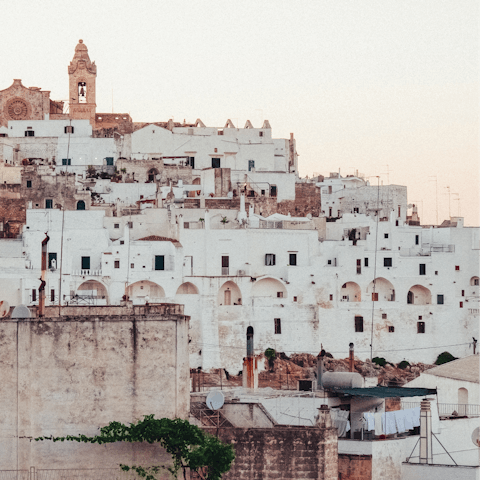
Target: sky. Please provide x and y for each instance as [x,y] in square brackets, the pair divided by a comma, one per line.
[387,88]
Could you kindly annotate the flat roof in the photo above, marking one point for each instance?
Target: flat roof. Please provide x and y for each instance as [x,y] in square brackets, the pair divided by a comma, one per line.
[466,369]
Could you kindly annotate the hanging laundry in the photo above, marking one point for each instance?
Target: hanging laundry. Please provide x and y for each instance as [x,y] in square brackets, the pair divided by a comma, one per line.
[400,420]
[409,418]
[370,420]
[416,416]
[378,423]
[389,425]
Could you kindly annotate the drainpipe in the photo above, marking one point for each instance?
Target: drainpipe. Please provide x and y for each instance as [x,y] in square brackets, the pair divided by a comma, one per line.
[426,455]
[351,359]
[43,278]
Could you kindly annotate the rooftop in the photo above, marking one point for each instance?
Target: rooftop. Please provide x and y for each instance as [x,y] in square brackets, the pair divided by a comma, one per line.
[466,369]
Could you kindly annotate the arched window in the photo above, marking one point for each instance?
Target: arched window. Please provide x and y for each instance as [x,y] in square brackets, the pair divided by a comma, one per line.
[80,205]
[82,92]
[462,401]
[250,342]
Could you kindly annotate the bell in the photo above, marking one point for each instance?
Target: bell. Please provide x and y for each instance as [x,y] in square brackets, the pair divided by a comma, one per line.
[82,92]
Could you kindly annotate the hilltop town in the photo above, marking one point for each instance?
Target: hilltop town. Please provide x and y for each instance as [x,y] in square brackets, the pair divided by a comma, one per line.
[209,237]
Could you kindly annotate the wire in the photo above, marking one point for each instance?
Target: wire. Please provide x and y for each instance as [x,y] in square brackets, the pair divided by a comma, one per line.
[375,270]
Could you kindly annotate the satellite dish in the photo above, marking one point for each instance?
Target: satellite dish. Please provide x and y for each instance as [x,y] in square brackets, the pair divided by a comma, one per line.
[4,309]
[476,437]
[215,400]
[21,311]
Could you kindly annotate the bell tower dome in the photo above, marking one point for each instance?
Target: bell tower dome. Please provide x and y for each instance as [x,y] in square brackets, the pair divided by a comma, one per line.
[82,74]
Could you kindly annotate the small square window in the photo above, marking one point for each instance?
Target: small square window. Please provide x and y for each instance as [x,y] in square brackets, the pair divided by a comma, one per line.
[69,129]
[260,134]
[461,304]
[215,163]
[132,265]
[420,327]
[374,296]
[436,272]
[329,262]
[457,268]
[293,259]
[29,184]
[331,297]
[386,235]
[117,264]
[384,316]
[440,299]
[278,325]
[130,224]
[29,133]
[48,203]
[279,294]
[66,161]
[122,242]
[269,259]
[419,317]
[294,299]
[116,225]
[391,329]
[463,293]
[387,262]
[365,262]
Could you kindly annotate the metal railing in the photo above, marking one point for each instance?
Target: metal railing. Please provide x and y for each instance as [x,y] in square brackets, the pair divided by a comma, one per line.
[84,300]
[88,272]
[450,409]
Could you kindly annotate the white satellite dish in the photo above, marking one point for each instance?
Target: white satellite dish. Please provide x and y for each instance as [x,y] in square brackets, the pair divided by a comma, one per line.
[215,400]
[4,309]
[21,311]
[476,437]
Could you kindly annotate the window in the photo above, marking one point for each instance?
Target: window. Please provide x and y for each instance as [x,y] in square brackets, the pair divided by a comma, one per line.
[329,262]
[355,210]
[52,260]
[260,134]
[436,272]
[269,259]
[116,264]
[48,203]
[294,299]
[130,224]
[374,296]
[440,299]
[391,329]
[417,239]
[85,263]
[476,281]
[386,235]
[109,160]
[251,165]
[69,129]
[52,295]
[116,225]
[29,184]
[273,190]
[420,327]
[292,259]
[225,264]
[457,268]
[191,162]
[159,262]
[422,268]
[387,262]
[331,297]
[215,163]
[330,211]
[365,262]
[359,324]
[34,295]
[278,325]
[82,92]
[132,265]
[66,161]
[463,293]
[419,317]
[384,316]
[399,211]
[461,304]
[279,294]
[29,133]
[359,266]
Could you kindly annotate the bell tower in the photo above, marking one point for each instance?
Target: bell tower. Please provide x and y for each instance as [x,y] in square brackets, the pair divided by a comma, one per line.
[82,74]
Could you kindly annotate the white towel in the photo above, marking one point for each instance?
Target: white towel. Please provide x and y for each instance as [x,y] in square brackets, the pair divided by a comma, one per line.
[389,425]
[370,420]
[378,423]
[409,418]
[400,420]
[416,416]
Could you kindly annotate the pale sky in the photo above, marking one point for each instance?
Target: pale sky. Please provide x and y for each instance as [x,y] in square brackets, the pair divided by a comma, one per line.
[386,87]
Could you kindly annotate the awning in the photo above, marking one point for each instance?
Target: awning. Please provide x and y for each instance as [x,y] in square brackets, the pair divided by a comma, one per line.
[386,392]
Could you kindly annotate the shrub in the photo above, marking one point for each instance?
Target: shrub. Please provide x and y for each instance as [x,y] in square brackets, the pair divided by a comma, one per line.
[444,357]
[379,361]
[403,364]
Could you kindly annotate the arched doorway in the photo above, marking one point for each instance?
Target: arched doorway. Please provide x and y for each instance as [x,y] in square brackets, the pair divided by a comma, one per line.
[80,205]
[269,288]
[229,294]
[250,350]
[351,292]
[419,295]
[91,292]
[144,292]
[152,175]
[381,290]
[187,288]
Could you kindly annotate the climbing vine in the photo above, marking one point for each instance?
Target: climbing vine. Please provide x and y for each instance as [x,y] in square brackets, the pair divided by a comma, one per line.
[190,447]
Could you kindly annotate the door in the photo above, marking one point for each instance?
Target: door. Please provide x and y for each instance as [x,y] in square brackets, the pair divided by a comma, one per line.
[228,297]
[188,266]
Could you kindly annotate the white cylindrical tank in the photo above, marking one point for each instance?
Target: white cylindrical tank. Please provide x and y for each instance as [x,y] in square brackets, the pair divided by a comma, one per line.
[342,380]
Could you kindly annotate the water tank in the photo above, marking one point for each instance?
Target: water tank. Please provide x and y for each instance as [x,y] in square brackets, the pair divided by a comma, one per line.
[342,380]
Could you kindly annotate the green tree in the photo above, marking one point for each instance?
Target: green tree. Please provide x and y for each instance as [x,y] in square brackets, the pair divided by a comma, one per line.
[190,446]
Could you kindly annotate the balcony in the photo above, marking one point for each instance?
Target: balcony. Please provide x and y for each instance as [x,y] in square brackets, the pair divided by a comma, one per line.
[88,273]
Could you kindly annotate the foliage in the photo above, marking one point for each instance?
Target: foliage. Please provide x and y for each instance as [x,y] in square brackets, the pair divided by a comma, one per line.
[190,447]
[444,357]
[270,353]
[379,361]
[224,220]
[403,365]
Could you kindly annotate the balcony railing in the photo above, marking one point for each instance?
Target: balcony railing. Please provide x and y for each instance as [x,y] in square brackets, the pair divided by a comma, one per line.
[451,410]
[88,273]
[225,270]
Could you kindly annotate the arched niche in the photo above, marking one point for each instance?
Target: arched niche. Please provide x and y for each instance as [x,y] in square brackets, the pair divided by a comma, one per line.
[419,295]
[269,287]
[187,288]
[91,292]
[80,205]
[381,290]
[229,294]
[475,281]
[351,292]
[462,397]
[152,175]
[197,181]
[145,291]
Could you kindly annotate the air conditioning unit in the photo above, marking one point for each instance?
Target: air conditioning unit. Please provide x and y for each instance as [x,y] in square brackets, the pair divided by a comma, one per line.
[241,272]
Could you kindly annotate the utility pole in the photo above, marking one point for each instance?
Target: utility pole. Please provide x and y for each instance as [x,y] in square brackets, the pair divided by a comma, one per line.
[436,193]
[449,195]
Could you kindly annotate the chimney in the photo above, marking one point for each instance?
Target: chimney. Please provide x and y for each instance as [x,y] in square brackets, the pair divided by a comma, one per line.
[351,359]
[425,432]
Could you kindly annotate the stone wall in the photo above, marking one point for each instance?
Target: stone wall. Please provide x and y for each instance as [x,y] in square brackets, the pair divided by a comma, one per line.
[73,374]
[354,467]
[282,452]
[12,216]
